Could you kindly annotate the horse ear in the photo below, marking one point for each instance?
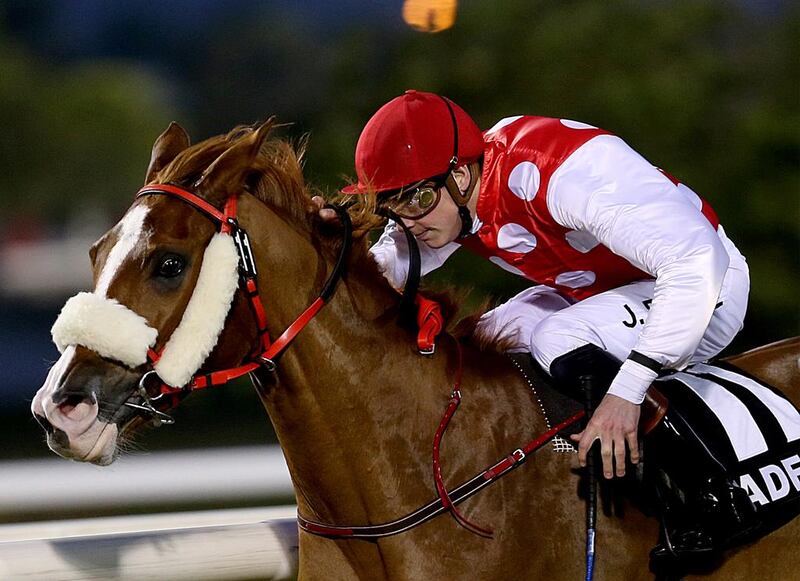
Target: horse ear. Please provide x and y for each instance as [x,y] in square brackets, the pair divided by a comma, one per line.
[229,172]
[168,145]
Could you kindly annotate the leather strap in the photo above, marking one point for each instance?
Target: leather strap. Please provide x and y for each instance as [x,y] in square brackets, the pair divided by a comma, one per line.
[414,267]
[441,489]
[184,195]
[429,322]
[654,408]
[436,507]
[270,351]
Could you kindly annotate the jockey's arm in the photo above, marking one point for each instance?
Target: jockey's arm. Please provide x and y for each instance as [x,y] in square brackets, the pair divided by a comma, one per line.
[607,189]
[390,252]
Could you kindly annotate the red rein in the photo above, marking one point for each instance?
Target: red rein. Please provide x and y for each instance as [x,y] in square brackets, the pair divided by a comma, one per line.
[447,500]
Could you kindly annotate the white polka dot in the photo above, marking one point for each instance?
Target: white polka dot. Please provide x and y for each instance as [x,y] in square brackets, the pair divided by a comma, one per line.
[523,181]
[503,122]
[506,266]
[576,278]
[581,241]
[690,195]
[576,124]
[515,238]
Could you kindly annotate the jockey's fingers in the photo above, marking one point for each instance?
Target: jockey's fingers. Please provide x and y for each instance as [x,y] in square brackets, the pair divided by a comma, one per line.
[328,215]
[583,446]
[619,454]
[606,452]
[633,445]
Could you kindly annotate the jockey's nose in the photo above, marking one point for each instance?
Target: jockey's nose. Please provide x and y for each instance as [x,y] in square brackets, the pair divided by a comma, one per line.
[408,222]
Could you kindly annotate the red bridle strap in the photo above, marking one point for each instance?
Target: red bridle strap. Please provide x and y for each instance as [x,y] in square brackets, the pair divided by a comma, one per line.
[269,350]
[187,196]
[266,358]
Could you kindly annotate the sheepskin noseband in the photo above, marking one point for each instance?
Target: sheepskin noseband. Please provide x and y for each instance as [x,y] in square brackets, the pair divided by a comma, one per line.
[106,327]
[113,330]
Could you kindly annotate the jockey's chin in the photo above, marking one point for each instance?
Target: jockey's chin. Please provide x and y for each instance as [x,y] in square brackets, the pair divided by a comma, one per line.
[436,237]
[429,238]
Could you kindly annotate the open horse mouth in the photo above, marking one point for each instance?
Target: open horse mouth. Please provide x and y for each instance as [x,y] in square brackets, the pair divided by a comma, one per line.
[69,417]
[74,430]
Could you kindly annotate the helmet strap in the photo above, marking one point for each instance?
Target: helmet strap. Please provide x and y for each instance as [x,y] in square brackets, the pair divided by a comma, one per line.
[462,198]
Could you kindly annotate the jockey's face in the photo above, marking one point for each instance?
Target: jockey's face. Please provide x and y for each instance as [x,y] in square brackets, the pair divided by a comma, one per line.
[440,226]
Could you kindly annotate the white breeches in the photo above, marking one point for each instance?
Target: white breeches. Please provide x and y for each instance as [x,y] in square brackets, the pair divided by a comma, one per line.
[547,324]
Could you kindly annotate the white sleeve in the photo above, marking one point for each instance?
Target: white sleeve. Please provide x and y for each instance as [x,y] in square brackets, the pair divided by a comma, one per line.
[391,253]
[607,189]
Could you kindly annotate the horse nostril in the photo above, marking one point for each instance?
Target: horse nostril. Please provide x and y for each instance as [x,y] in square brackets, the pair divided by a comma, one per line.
[72,398]
[48,427]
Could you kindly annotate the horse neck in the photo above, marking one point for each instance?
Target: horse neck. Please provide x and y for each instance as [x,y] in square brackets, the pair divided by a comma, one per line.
[341,404]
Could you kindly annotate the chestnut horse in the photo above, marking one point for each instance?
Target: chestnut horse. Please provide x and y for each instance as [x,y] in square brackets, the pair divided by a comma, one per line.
[355,407]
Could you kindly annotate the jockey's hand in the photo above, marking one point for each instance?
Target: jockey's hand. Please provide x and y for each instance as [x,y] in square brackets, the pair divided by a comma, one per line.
[326,214]
[614,422]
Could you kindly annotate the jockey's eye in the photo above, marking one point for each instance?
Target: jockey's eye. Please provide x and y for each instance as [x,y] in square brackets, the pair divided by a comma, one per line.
[171,266]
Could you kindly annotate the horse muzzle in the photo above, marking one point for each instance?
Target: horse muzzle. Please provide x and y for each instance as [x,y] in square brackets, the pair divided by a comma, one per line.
[67,408]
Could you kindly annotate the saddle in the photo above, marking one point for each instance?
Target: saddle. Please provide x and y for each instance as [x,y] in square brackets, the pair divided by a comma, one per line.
[747,432]
[749,428]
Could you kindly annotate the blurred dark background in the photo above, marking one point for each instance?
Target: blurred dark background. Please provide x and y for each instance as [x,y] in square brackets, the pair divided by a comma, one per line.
[707,89]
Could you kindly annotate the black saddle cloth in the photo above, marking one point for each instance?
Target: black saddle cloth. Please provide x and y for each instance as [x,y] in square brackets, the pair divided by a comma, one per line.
[749,429]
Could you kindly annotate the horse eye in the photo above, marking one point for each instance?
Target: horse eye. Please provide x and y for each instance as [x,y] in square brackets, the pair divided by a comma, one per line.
[171,266]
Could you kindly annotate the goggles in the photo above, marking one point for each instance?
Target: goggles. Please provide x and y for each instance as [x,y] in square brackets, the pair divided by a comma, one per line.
[414,202]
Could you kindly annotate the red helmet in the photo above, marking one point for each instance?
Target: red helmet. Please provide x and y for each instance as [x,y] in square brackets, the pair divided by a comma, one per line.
[414,137]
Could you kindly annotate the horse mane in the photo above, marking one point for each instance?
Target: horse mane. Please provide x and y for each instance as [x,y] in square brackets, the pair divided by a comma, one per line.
[277,174]
[277,180]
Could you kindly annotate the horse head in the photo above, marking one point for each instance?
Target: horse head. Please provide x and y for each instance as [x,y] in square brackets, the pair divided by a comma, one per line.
[165,291]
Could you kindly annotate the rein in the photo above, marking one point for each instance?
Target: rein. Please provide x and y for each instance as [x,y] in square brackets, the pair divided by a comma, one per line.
[447,500]
[270,350]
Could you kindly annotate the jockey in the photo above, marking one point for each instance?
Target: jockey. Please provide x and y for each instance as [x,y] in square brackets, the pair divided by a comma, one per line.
[633,272]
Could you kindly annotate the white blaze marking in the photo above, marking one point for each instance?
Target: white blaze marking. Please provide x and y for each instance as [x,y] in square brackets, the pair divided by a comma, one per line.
[130,232]
[44,396]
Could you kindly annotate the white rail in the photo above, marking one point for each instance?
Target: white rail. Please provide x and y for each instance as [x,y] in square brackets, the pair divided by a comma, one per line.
[212,475]
[230,544]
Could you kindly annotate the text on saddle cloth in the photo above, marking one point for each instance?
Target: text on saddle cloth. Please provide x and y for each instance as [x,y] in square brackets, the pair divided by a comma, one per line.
[750,428]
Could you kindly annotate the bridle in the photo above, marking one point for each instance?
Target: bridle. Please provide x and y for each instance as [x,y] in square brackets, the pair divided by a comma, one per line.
[166,397]
[154,396]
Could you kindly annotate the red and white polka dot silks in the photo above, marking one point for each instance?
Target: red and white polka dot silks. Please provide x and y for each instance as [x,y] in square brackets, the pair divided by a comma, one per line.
[516,229]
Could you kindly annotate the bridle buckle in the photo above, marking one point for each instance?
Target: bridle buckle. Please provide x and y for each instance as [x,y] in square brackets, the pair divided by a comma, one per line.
[267,363]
